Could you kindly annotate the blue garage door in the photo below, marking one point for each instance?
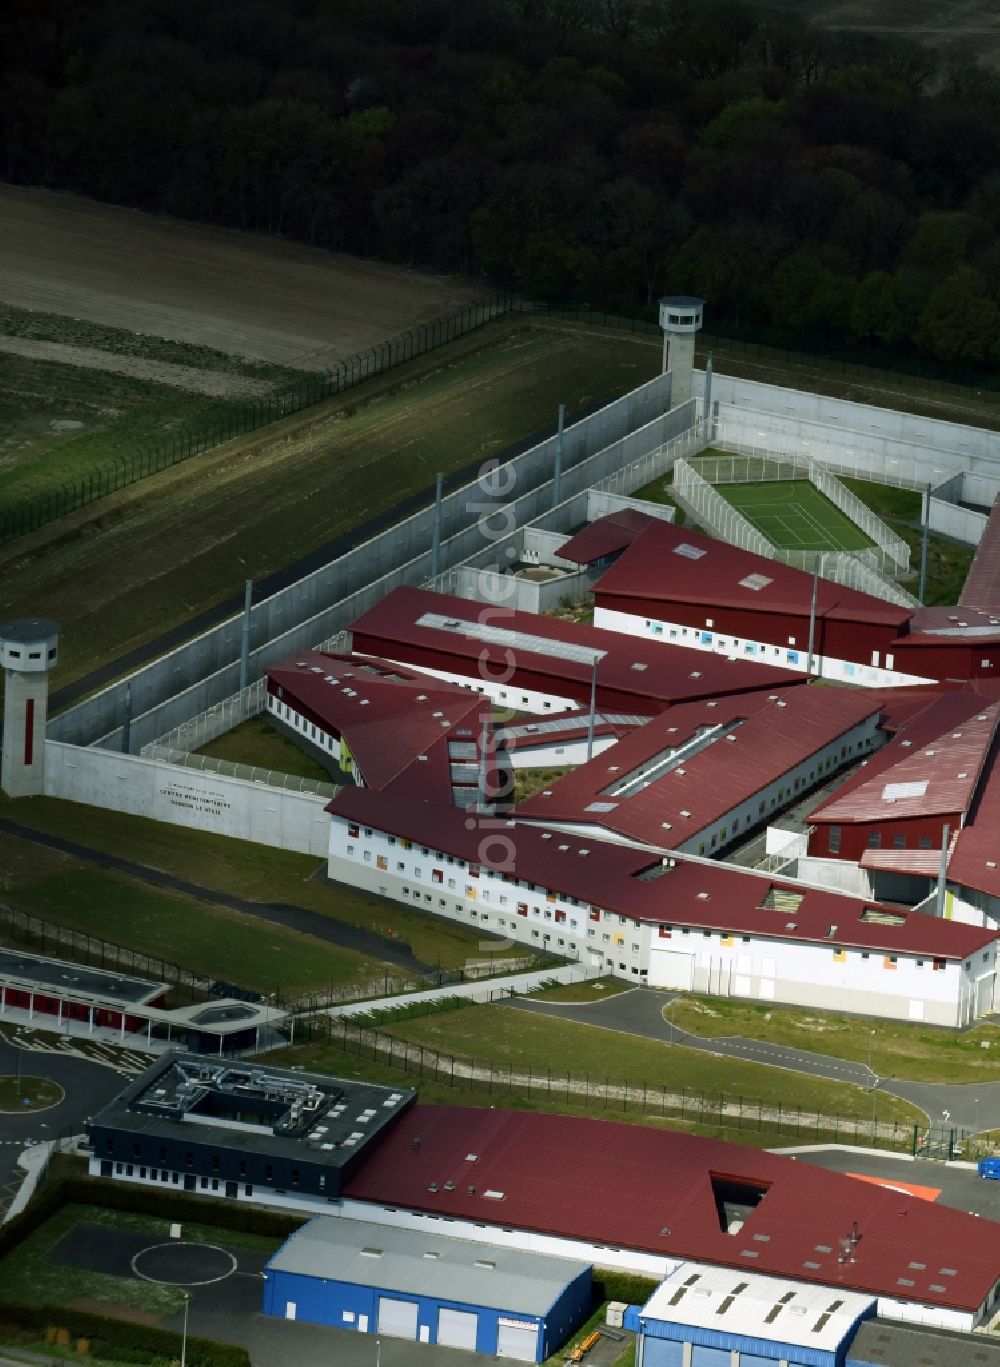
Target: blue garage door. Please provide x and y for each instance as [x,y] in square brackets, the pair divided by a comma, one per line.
[662,1353]
[711,1357]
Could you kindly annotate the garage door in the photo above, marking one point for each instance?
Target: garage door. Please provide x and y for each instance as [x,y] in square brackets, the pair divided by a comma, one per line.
[663,1353]
[398,1318]
[518,1341]
[710,1357]
[457,1328]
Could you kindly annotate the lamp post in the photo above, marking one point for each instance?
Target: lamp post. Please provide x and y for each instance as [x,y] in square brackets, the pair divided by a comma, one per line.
[378,1353]
[184,1331]
[871,1042]
[871,1072]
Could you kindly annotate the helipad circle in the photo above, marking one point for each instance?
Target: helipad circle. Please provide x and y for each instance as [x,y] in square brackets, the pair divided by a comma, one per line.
[181,1263]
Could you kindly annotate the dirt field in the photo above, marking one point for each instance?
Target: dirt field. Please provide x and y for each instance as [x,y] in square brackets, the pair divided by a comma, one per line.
[237,292]
[972,24]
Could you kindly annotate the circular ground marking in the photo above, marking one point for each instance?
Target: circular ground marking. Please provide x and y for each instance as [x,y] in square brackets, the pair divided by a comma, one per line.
[180,1263]
[26,1094]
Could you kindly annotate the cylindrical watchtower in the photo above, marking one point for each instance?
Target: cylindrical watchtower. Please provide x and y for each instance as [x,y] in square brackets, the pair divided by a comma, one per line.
[680,319]
[29,648]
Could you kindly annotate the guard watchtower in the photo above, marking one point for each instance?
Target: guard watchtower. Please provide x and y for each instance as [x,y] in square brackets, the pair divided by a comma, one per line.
[29,648]
[680,319]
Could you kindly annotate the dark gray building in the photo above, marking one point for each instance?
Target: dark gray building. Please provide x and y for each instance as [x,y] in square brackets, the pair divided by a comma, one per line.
[241,1130]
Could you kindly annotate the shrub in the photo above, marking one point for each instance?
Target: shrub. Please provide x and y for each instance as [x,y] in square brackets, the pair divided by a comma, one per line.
[119,1340]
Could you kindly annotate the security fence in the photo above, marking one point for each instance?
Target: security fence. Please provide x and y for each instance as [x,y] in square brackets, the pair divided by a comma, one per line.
[240,421]
[860,570]
[249,773]
[657,463]
[766,464]
[594,1092]
[215,721]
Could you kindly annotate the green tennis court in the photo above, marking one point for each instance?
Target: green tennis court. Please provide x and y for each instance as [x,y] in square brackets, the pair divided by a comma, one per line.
[794,514]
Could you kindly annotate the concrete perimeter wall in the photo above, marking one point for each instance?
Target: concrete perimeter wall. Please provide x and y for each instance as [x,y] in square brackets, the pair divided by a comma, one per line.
[186,797]
[334,617]
[854,438]
[960,523]
[206,669]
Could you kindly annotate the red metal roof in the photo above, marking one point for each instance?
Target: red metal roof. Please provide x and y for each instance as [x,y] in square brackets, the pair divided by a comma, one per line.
[974,861]
[388,716]
[775,734]
[605,536]
[643,886]
[676,564]
[945,626]
[651,673]
[982,583]
[650,1190]
[932,768]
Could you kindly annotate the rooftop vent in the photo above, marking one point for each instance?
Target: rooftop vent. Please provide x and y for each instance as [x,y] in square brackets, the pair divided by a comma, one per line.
[688,551]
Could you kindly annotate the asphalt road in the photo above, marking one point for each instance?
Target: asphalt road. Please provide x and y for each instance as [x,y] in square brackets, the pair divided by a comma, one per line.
[86,1085]
[975,1106]
[959,1187]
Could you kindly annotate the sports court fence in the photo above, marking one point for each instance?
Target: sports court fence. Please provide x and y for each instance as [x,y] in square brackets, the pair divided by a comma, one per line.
[246,418]
[766,464]
[854,569]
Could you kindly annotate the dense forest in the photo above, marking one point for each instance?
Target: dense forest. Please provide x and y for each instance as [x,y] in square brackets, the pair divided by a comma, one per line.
[826,187]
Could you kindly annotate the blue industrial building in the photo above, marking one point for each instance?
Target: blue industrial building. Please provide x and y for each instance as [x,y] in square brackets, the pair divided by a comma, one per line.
[717,1317]
[381,1279]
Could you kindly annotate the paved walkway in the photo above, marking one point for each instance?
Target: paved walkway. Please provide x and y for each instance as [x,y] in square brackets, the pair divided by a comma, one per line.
[973,1106]
[489,990]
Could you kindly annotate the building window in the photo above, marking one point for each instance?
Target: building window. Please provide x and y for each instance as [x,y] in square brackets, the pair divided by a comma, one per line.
[874,840]
[833,840]
[899,841]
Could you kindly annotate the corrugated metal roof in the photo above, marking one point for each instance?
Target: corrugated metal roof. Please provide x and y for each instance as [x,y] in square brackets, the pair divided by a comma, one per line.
[656,567]
[629,1186]
[768,1308]
[605,536]
[426,1264]
[928,776]
[643,886]
[976,857]
[388,716]
[653,673]
[777,733]
[982,583]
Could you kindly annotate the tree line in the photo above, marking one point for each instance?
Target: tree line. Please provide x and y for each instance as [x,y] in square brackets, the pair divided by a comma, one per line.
[835,187]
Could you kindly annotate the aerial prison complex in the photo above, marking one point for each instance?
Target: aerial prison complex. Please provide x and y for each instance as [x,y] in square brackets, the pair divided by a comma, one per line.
[758,773]
[684,723]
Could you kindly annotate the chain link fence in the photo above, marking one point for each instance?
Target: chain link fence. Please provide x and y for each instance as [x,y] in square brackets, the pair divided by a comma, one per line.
[588,1091]
[858,570]
[658,463]
[246,418]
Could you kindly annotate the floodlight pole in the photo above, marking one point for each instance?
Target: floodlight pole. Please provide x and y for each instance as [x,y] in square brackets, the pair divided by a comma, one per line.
[924,534]
[593,707]
[127,721]
[707,416]
[245,636]
[557,472]
[942,872]
[812,618]
[184,1332]
[436,543]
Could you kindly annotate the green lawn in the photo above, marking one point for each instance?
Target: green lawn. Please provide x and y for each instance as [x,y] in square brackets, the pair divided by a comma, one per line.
[658,491]
[21,1095]
[794,514]
[207,940]
[257,742]
[238,867]
[29,1277]
[527,782]
[511,1038]
[918,1053]
[179,542]
[947,561]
